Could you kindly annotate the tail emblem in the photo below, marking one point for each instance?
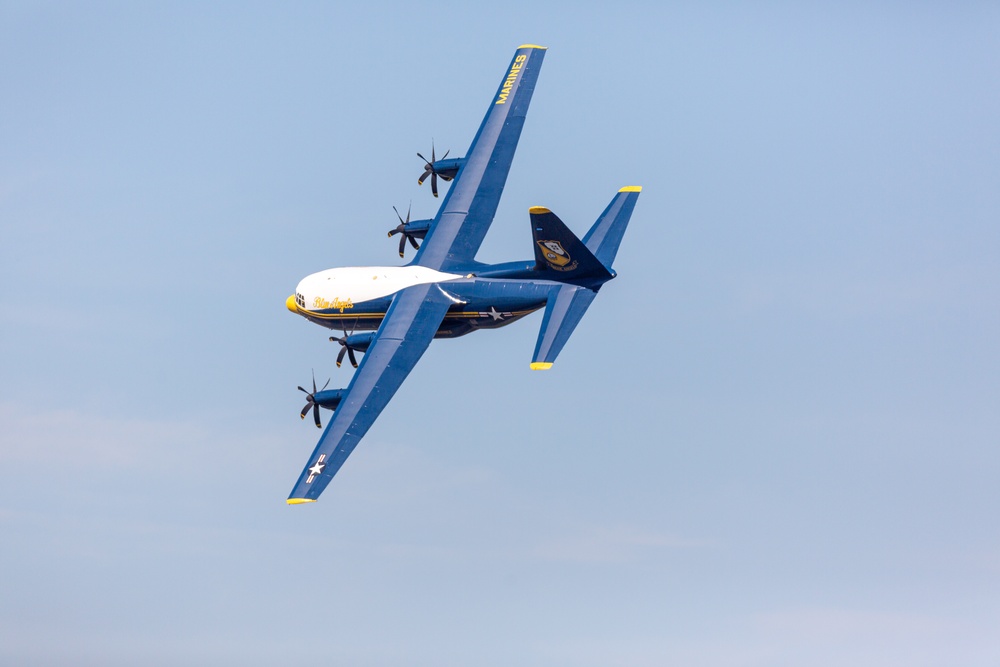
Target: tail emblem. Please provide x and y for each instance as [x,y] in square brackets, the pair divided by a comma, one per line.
[556,256]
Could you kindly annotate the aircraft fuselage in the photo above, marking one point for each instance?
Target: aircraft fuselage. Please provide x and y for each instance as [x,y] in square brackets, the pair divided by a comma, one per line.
[357,298]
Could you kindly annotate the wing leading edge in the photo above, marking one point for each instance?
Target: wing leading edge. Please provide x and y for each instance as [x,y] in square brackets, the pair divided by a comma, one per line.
[408,328]
[471,202]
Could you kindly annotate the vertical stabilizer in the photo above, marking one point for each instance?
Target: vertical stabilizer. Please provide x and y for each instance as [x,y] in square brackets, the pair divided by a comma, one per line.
[560,255]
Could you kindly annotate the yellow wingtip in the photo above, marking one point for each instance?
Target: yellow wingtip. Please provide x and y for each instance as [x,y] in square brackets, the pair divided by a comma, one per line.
[532,46]
[631,188]
[299,501]
[538,210]
[541,365]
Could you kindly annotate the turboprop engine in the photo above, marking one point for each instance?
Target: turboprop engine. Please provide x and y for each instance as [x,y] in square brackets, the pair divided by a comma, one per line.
[322,398]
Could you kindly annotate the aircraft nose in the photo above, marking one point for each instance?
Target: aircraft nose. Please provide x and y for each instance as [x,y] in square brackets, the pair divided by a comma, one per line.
[291,305]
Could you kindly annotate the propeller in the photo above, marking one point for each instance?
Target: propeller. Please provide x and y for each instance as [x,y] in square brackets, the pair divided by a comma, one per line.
[344,347]
[401,229]
[311,403]
[429,170]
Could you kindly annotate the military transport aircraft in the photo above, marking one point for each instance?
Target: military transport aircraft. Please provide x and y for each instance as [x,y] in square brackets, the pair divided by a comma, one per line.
[391,313]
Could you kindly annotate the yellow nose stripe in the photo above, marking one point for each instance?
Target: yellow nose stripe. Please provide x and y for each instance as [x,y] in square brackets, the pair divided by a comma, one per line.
[291,305]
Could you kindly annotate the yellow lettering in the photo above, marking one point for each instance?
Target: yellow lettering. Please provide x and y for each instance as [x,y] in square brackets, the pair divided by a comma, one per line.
[336,304]
[508,83]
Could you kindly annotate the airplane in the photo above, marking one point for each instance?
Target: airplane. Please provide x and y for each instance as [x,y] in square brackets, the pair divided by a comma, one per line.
[392,313]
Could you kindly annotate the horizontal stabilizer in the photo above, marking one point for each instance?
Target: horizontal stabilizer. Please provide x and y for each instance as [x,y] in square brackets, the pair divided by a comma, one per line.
[560,255]
[563,311]
[605,236]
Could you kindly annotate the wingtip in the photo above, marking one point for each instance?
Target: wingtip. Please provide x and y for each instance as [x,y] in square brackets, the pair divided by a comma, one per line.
[538,210]
[541,365]
[631,188]
[299,501]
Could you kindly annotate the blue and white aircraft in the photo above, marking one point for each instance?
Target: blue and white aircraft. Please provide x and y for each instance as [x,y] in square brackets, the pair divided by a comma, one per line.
[391,313]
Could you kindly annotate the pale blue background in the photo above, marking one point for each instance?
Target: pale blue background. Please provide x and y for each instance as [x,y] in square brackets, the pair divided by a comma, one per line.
[772,441]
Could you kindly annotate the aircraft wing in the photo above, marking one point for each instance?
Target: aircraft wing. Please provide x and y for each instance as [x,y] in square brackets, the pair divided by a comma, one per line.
[471,202]
[407,330]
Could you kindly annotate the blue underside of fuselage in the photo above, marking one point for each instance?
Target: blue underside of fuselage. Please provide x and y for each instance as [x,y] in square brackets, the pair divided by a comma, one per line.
[480,304]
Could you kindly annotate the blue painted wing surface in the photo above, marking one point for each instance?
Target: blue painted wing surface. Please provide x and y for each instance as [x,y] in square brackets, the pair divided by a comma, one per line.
[471,202]
[406,331]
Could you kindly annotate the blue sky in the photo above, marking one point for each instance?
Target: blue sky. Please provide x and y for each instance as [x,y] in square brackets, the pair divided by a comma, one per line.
[772,441]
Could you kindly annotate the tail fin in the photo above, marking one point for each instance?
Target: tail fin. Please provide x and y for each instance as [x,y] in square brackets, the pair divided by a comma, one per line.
[561,255]
[585,264]
[605,236]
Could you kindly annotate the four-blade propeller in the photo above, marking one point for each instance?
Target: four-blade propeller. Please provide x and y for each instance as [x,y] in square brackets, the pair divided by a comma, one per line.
[311,402]
[401,229]
[430,170]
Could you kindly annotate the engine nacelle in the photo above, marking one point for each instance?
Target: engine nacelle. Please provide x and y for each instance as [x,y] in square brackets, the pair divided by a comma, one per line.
[360,341]
[418,228]
[329,398]
[448,168]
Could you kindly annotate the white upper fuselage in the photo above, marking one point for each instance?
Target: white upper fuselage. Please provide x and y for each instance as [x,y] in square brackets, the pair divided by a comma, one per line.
[351,285]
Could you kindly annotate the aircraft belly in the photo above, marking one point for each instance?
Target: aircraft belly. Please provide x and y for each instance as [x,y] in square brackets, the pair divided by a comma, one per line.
[485,314]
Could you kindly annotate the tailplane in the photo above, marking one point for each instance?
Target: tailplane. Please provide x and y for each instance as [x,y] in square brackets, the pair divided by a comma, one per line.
[563,311]
[605,236]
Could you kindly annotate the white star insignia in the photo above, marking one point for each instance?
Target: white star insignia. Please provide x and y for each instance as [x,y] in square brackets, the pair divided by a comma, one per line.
[317,469]
[492,312]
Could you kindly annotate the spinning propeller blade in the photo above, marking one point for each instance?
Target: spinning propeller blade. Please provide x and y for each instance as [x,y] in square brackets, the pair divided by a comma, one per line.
[401,229]
[429,170]
[311,403]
